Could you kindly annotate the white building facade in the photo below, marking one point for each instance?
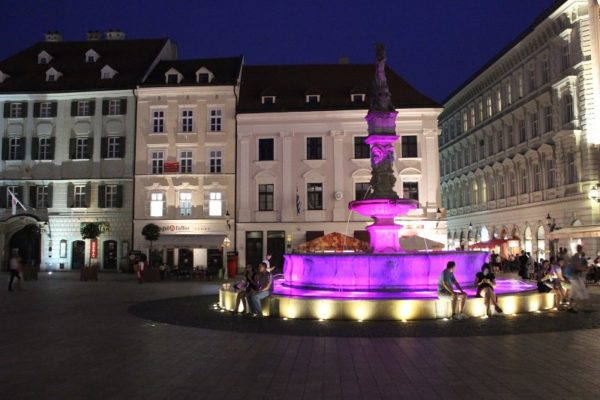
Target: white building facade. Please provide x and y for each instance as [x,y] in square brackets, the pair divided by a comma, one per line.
[302,156]
[518,151]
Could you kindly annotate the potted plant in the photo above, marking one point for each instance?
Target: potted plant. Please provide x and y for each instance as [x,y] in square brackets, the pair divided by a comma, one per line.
[151,233]
[90,230]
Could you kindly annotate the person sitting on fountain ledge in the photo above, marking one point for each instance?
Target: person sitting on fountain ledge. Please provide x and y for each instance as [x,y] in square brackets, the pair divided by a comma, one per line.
[264,280]
[446,291]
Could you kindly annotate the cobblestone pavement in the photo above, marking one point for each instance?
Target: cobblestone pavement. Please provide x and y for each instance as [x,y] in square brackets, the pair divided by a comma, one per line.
[65,339]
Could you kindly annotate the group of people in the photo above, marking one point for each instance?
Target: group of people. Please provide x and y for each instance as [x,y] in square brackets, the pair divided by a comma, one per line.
[257,285]
[485,281]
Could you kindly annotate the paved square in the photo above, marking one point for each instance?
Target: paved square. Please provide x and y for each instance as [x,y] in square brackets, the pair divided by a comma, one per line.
[61,338]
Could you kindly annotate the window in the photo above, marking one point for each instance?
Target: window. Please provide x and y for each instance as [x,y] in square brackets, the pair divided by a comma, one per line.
[45,110]
[537,178]
[314,148]
[545,71]
[81,149]
[531,76]
[548,118]
[512,184]
[215,204]
[488,103]
[157,159]
[491,189]
[185,162]
[41,197]
[524,181]
[215,158]
[522,131]
[534,124]
[79,198]
[187,121]
[480,111]
[465,157]
[216,120]
[361,149]
[551,171]
[571,168]
[14,148]
[568,112]
[500,141]
[409,146]
[16,110]
[157,203]
[465,125]
[203,77]
[520,85]
[481,149]
[185,203]
[265,149]
[565,56]
[410,190]
[265,197]
[501,185]
[158,121]
[511,140]
[110,196]
[313,99]
[172,78]
[509,93]
[112,147]
[314,196]
[51,77]
[361,190]
[498,100]
[114,107]
[83,108]
[490,142]
[44,149]
[269,100]
[357,98]
[472,115]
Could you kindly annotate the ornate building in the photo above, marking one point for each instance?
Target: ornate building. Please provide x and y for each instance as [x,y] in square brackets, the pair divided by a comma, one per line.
[518,154]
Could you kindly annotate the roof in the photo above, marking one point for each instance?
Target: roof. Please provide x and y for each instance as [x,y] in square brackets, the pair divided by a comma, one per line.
[130,58]
[226,71]
[335,82]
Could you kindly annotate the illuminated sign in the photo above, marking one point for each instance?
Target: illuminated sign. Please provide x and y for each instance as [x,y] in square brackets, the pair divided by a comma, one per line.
[171,167]
[94,248]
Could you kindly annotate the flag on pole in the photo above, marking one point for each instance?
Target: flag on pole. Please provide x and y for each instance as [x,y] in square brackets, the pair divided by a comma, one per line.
[298,204]
[14,202]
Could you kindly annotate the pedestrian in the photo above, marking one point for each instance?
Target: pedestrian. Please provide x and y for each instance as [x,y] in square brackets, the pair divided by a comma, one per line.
[140,268]
[267,262]
[446,291]
[14,265]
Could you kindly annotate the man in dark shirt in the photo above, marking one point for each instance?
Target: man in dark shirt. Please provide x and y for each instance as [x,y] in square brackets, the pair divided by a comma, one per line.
[265,281]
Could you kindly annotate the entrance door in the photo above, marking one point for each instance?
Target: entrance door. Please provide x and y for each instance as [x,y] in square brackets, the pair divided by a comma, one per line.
[214,261]
[27,240]
[186,258]
[254,248]
[110,254]
[78,254]
[276,248]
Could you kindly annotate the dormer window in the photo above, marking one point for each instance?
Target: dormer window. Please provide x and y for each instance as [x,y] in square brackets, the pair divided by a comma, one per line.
[91,56]
[44,57]
[203,75]
[313,98]
[3,76]
[268,100]
[107,72]
[173,77]
[52,75]
[357,98]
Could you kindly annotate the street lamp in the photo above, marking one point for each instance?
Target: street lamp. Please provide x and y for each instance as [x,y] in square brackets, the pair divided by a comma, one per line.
[226,244]
[470,226]
[593,194]
[227,221]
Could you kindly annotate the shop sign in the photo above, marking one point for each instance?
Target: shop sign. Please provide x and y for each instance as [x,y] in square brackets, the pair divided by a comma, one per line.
[174,229]
[94,248]
[104,226]
[171,167]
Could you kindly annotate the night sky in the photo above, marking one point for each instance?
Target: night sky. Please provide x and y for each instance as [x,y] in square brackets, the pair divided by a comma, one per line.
[435,44]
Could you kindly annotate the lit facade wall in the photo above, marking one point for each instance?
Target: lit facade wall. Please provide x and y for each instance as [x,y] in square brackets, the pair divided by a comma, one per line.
[518,140]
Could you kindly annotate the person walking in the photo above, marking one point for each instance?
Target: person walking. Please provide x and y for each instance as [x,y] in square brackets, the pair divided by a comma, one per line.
[14,265]
[140,268]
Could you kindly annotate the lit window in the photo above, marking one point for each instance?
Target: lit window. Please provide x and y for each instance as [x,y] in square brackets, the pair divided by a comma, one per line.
[79,196]
[110,196]
[185,203]
[498,100]
[509,93]
[314,198]
[215,204]
[216,120]
[472,115]
[520,85]
[157,159]
[265,197]
[187,121]
[215,161]
[480,111]
[156,204]
[185,162]
[465,125]
[158,121]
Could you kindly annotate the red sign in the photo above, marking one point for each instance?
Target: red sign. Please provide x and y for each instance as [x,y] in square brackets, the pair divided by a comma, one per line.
[94,248]
[171,167]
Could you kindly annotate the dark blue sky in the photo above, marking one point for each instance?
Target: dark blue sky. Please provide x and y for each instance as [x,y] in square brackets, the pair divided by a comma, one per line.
[434,44]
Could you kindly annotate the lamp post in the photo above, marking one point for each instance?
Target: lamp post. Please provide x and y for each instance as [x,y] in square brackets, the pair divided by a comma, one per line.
[226,244]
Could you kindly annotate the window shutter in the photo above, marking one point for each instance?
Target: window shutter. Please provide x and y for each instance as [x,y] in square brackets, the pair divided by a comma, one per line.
[36,110]
[88,194]
[123,106]
[70,194]
[5,148]
[52,145]
[74,107]
[50,187]
[104,107]
[6,109]
[121,147]
[90,148]
[92,107]
[33,196]
[25,110]
[54,109]
[2,196]
[72,144]
[103,147]
[35,143]
[119,196]
[101,196]
[21,152]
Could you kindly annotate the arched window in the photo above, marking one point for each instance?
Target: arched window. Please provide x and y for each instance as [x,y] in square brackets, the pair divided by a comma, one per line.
[512,183]
[569,113]
[491,191]
[524,180]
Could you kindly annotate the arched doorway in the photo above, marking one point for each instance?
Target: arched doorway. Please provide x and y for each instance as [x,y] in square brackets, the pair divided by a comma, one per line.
[78,254]
[109,258]
[28,241]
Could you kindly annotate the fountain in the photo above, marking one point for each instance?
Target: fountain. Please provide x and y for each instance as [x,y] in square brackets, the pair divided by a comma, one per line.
[387,282]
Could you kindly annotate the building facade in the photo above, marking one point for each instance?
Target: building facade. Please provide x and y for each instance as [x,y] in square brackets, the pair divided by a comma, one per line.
[302,156]
[518,153]
[67,147]
[185,161]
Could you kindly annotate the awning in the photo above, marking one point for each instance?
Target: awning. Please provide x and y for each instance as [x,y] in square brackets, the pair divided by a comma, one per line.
[193,241]
[575,232]
[419,243]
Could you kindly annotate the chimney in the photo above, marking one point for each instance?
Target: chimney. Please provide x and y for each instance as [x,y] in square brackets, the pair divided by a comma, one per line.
[53,36]
[93,35]
[115,34]
[343,60]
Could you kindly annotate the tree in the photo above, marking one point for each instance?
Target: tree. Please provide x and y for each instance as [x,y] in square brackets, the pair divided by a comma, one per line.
[151,233]
[90,230]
